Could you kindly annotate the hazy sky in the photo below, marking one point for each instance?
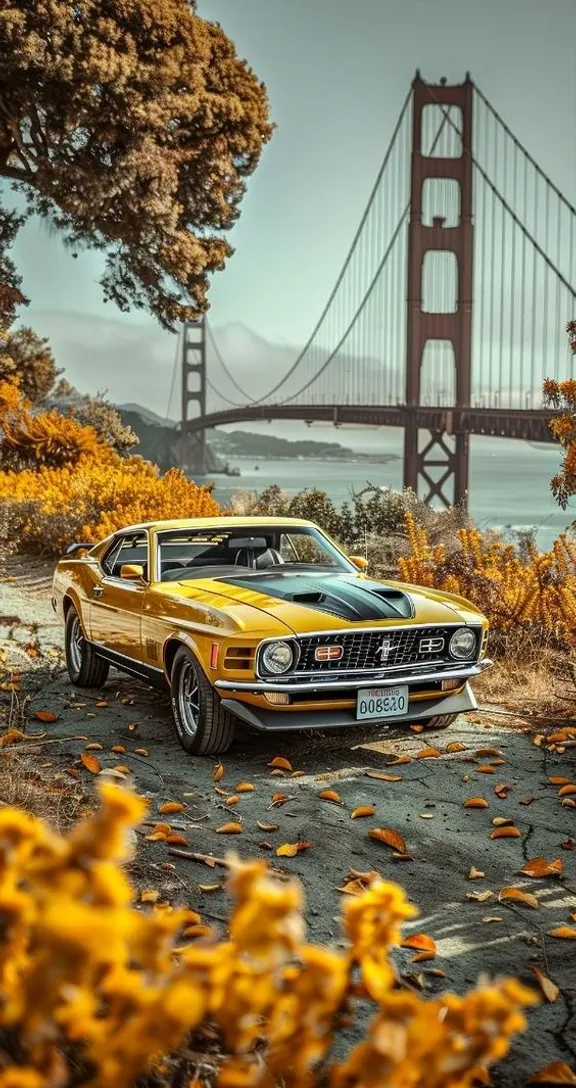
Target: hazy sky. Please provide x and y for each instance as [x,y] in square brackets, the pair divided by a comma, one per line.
[337,72]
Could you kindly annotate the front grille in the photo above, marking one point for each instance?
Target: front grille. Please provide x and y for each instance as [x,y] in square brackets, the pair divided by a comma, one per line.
[363,649]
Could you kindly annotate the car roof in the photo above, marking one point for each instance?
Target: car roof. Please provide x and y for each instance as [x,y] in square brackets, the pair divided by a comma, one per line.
[216,522]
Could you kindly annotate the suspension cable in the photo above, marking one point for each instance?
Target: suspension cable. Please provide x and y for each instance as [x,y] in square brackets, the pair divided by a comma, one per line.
[229,375]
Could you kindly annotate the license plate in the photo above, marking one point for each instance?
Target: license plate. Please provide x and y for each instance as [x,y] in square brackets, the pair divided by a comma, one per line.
[382,702]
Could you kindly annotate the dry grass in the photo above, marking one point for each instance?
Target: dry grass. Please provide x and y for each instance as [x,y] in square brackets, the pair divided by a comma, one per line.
[26,783]
[535,685]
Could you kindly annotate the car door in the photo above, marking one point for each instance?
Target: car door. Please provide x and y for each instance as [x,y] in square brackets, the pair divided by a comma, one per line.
[116,602]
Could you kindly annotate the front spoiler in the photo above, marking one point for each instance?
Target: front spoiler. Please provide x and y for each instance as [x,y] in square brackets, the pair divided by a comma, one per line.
[291,721]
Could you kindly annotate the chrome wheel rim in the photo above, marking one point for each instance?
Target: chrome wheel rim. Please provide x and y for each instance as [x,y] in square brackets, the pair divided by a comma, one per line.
[76,645]
[189,699]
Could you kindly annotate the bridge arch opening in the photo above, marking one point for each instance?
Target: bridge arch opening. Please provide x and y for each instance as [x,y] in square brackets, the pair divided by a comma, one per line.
[442,128]
[440,282]
[441,200]
[438,374]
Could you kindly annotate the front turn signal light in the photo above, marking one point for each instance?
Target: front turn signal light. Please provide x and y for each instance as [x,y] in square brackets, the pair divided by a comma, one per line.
[278,698]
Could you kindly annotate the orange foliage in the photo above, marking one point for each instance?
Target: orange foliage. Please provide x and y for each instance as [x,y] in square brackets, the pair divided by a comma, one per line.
[532,593]
[64,483]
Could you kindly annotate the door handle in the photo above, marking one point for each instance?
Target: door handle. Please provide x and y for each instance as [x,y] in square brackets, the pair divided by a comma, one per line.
[97,591]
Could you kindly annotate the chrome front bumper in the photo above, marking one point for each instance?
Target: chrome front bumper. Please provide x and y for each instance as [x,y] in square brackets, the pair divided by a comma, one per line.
[260,687]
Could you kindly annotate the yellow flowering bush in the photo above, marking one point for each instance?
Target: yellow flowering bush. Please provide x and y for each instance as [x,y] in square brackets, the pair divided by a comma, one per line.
[60,482]
[532,593]
[96,992]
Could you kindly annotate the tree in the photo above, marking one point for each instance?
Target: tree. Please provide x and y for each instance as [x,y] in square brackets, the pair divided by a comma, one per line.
[28,358]
[132,129]
[562,397]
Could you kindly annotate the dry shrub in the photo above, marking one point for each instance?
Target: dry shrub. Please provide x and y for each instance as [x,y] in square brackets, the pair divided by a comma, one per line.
[97,992]
[529,597]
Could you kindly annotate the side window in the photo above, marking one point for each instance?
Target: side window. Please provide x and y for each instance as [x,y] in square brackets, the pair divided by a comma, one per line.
[126,549]
[302,548]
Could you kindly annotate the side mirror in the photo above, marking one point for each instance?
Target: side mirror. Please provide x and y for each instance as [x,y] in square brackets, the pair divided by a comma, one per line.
[134,572]
[359,562]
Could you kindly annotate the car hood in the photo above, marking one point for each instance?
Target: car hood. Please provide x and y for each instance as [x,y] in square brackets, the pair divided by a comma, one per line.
[309,600]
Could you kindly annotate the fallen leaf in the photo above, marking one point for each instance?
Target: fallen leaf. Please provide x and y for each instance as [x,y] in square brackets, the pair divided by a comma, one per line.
[475,874]
[207,888]
[436,972]
[554,1073]
[192,918]
[94,747]
[508,832]
[149,896]
[366,878]
[490,918]
[45,716]
[566,791]
[280,763]
[402,857]
[157,836]
[218,773]
[482,753]
[420,942]
[475,802]
[550,990]
[353,887]
[91,763]
[480,897]
[486,768]
[382,777]
[118,749]
[276,772]
[196,931]
[232,800]
[177,840]
[568,802]
[265,845]
[141,751]
[73,772]
[101,703]
[427,815]
[526,800]
[297,774]
[229,829]
[428,753]
[455,746]
[398,760]
[132,726]
[566,933]
[389,838]
[330,795]
[362,810]
[539,867]
[278,797]
[502,821]
[267,827]
[170,807]
[290,849]
[121,769]
[559,780]
[519,896]
[502,791]
[558,738]
[164,828]
[11,737]
[244,787]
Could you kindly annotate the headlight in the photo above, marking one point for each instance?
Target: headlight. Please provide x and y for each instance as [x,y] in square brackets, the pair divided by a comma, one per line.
[462,644]
[277,657]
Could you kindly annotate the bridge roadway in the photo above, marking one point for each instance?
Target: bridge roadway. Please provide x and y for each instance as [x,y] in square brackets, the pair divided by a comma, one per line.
[527,424]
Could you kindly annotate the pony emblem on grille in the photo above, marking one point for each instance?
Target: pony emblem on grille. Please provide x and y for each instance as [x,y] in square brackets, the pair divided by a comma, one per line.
[383,651]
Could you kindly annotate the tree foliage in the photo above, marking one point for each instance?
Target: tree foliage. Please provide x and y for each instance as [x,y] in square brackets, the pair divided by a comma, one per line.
[562,397]
[131,127]
[28,358]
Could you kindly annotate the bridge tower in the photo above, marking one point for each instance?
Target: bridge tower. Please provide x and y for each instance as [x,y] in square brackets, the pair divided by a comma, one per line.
[446,448]
[192,446]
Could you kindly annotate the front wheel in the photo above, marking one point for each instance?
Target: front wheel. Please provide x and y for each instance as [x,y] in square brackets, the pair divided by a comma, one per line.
[85,669]
[202,726]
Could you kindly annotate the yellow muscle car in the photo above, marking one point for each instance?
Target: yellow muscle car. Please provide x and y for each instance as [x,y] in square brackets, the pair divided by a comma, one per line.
[264,621]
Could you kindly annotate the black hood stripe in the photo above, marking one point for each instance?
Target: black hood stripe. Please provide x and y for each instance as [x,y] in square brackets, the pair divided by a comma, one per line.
[346,596]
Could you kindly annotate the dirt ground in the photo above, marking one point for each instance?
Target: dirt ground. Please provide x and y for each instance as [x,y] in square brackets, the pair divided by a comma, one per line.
[474,933]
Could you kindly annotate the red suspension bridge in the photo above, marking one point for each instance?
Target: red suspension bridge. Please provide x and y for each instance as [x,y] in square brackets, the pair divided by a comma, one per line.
[448,312]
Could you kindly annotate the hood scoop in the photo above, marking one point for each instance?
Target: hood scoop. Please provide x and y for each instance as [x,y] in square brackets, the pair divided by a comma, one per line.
[346,596]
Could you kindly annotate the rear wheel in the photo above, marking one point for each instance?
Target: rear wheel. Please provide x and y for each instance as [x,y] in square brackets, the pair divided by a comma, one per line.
[441,721]
[202,726]
[85,668]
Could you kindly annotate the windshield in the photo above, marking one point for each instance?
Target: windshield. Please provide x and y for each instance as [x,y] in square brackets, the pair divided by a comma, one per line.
[195,553]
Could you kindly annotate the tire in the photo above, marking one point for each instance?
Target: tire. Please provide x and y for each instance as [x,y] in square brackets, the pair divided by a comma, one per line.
[441,721]
[85,668]
[202,726]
